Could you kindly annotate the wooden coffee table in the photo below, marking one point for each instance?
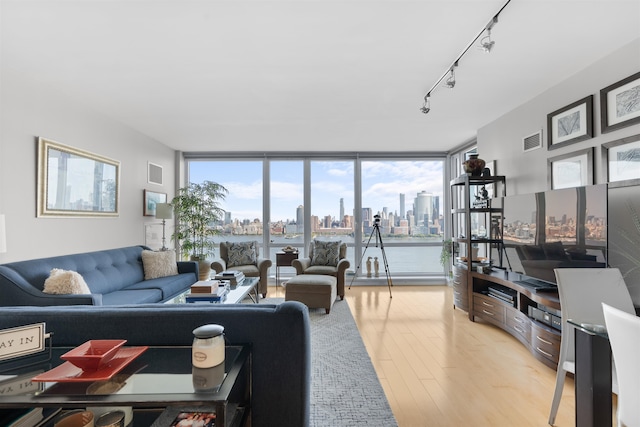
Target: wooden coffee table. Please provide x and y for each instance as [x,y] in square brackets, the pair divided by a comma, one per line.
[237,293]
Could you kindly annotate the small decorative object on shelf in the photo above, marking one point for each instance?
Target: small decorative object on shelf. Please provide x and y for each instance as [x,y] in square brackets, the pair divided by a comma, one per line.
[473,165]
[208,346]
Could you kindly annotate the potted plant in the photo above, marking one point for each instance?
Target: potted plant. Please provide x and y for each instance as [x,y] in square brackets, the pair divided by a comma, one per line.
[197,208]
[446,254]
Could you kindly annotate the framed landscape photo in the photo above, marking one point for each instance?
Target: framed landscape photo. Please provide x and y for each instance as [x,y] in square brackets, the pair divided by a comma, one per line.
[151,198]
[623,161]
[620,104]
[74,182]
[570,124]
[570,170]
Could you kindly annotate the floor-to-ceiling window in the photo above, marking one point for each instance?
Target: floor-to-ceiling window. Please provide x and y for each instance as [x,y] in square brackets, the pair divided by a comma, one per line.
[290,200]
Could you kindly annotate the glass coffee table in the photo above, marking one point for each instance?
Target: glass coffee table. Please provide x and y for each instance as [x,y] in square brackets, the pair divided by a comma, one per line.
[157,385]
[237,293]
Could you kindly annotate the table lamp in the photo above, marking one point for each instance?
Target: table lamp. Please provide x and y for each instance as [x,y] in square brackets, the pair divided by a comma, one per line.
[164,211]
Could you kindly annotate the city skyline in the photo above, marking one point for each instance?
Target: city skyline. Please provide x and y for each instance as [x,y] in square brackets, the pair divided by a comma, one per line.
[382,182]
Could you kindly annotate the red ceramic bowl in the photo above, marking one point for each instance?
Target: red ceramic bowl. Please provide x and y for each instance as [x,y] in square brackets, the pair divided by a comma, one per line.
[93,354]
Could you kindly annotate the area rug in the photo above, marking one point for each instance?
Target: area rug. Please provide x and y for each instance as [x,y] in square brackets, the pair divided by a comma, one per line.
[345,390]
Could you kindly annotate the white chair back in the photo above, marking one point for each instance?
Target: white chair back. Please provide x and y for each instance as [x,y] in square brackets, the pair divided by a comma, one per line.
[624,335]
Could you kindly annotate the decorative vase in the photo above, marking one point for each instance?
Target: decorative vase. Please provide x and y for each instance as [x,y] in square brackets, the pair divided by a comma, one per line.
[473,165]
[204,267]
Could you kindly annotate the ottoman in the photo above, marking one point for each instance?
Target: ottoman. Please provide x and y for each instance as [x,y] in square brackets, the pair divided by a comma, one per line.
[313,290]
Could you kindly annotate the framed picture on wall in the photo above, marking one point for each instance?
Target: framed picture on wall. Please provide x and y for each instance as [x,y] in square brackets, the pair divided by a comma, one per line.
[623,160]
[570,170]
[570,124]
[620,104]
[151,198]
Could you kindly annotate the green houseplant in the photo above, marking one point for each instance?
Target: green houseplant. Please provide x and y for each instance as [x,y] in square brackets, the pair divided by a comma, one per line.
[446,253]
[197,208]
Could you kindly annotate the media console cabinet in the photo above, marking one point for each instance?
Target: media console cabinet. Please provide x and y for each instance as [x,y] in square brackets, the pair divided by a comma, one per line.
[471,294]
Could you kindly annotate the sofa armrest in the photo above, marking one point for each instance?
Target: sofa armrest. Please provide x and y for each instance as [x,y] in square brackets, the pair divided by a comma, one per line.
[219,265]
[188,267]
[343,264]
[301,264]
[16,291]
[263,265]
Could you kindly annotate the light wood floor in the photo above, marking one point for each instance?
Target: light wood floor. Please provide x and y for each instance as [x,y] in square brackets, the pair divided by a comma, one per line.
[438,368]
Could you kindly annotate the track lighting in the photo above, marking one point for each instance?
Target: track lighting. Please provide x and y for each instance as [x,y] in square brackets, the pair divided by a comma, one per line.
[486,43]
[426,106]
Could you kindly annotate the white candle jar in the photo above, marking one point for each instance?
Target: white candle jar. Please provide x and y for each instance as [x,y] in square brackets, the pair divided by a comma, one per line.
[208,346]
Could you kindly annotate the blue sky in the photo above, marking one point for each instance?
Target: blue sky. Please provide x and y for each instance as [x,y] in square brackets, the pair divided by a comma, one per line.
[382,182]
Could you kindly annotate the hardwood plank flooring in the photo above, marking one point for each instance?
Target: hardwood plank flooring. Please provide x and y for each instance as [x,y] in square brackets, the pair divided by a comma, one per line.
[437,368]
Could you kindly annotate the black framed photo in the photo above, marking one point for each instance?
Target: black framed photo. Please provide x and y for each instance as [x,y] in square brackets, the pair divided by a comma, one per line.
[151,198]
[570,124]
[620,104]
[570,170]
[623,161]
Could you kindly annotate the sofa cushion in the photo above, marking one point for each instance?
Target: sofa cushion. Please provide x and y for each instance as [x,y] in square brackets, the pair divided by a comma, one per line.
[533,252]
[555,251]
[65,282]
[159,264]
[241,253]
[132,296]
[169,286]
[325,253]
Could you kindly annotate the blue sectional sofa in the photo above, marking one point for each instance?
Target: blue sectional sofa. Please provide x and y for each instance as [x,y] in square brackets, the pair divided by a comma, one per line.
[114,276]
[279,335]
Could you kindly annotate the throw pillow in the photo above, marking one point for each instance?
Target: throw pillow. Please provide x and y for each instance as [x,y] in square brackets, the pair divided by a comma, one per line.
[326,253]
[555,251]
[65,282]
[242,253]
[159,264]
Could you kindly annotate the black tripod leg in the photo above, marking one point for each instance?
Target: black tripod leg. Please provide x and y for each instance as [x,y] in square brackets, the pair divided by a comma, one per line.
[386,264]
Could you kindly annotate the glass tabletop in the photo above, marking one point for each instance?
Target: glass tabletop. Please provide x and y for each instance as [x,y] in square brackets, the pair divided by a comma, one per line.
[590,328]
[159,374]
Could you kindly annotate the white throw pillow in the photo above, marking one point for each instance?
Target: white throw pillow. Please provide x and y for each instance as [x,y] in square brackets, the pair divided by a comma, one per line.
[159,264]
[65,282]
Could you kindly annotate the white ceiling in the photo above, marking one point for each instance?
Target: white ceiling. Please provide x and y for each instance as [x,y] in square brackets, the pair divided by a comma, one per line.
[306,75]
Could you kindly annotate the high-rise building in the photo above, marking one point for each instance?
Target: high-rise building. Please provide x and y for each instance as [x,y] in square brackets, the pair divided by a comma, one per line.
[341,209]
[300,219]
[422,207]
[402,212]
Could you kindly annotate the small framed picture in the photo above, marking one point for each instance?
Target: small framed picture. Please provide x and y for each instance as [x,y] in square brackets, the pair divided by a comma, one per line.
[179,417]
[571,170]
[620,104]
[151,198]
[570,124]
[623,160]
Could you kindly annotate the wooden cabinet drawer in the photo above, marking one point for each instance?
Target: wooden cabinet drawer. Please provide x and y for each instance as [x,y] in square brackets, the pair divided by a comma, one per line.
[518,324]
[460,299]
[545,342]
[489,309]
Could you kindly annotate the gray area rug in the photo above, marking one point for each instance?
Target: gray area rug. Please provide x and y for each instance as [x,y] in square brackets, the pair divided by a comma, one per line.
[345,390]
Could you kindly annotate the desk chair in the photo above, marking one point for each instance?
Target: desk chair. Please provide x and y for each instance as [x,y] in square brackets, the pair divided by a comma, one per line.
[624,335]
[582,292]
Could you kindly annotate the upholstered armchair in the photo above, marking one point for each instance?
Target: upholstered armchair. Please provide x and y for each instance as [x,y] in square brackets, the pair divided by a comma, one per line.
[244,257]
[318,263]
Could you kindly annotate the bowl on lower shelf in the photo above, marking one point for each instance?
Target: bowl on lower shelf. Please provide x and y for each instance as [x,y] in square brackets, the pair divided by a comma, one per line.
[93,354]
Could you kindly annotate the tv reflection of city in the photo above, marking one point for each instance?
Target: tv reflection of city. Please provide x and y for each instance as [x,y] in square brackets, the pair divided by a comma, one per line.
[423,219]
[556,229]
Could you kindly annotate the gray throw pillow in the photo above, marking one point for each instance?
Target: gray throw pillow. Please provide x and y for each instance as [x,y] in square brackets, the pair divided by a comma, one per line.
[326,253]
[243,253]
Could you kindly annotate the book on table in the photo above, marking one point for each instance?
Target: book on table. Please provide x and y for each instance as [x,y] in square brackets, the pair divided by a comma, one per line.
[219,295]
[234,277]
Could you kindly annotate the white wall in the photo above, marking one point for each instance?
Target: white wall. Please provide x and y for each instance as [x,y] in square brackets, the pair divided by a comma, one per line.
[501,140]
[31,109]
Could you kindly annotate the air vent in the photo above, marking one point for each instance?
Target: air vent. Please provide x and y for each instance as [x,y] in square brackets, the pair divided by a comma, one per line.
[532,142]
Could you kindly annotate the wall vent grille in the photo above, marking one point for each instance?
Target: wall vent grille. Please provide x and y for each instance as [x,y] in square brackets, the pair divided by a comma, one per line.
[532,142]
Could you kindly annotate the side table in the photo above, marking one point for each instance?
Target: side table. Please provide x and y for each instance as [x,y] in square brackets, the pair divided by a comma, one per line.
[284,259]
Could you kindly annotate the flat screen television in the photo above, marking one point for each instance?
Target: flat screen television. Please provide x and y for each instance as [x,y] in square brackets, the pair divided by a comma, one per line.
[565,228]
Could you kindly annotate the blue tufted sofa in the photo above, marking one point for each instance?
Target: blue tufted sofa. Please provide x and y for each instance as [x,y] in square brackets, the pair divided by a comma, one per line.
[279,335]
[114,276]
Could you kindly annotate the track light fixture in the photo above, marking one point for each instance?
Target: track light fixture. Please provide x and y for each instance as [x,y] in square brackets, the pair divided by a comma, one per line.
[426,106]
[486,44]
[451,81]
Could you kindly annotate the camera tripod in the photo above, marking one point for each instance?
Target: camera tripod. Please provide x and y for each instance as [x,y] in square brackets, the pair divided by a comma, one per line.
[376,232]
